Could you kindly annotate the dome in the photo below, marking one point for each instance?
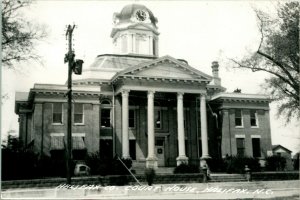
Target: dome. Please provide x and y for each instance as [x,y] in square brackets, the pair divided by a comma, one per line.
[127,12]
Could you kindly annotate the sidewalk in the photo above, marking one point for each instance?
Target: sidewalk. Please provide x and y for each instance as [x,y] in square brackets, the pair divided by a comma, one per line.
[227,190]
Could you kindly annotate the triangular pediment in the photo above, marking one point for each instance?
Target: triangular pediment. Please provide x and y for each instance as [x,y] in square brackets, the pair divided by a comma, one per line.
[166,67]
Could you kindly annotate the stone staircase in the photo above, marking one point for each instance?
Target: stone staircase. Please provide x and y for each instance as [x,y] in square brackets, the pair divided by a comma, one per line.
[227,178]
[139,169]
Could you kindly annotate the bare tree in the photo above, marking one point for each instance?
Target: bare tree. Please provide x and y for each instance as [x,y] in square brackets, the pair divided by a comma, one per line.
[278,55]
[19,36]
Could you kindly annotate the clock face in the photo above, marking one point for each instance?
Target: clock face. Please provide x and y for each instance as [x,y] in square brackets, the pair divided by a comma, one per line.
[141,15]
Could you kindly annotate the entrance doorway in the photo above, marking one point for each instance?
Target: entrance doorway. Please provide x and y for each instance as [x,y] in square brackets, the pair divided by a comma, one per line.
[160,151]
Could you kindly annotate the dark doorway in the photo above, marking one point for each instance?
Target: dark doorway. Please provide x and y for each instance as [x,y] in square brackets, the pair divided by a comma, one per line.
[106,148]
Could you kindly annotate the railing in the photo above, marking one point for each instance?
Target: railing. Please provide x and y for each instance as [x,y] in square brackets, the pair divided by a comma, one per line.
[129,171]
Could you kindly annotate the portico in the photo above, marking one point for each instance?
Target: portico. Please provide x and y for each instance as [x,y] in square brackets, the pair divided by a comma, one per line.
[163,85]
[151,158]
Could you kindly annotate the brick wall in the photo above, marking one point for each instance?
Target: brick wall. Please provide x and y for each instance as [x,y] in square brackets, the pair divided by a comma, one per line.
[230,131]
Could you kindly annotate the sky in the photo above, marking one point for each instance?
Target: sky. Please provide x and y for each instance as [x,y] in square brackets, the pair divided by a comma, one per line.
[198,31]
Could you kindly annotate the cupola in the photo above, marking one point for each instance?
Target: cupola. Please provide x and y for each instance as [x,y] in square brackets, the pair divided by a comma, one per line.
[135,31]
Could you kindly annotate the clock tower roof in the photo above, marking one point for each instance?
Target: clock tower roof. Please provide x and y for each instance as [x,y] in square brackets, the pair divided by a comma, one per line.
[129,10]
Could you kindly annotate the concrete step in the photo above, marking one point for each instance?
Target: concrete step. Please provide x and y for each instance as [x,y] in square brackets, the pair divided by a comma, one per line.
[165,170]
[160,170]
[227,178]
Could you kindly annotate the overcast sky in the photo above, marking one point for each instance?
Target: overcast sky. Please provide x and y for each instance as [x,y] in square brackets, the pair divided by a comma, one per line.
[197,31]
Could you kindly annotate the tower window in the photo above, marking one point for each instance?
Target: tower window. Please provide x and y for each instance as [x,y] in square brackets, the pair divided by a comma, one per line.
[154,47]
[124,44]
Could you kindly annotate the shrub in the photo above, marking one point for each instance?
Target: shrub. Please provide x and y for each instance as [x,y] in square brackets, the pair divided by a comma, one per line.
[95,163]
[118,167]
[17,161]
[186,168]
[18,164]
[53,167]
[104,167]
[275,163]
[216,164]
[150,174]
[236,164]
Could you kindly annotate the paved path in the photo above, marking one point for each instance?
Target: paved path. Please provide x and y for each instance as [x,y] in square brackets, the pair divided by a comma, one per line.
[225,190]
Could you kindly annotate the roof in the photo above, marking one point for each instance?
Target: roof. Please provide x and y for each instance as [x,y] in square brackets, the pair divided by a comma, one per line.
[274,147]
[107,65]
[152,63]
[128,10]
[21,96]
[116,61]
[241,96]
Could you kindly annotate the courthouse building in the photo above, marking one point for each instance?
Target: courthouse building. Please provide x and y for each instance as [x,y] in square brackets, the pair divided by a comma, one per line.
[156,110]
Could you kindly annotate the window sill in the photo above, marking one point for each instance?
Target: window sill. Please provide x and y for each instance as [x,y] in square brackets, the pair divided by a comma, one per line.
[239,127]
[104,127]
[57,124]
[254,126]
[79,124]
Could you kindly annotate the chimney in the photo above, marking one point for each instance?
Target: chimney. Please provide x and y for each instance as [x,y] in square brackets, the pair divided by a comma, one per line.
[215,72]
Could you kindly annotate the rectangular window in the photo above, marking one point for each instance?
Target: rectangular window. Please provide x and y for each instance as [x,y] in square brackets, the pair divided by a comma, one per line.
[132,149]
[240,146]
[105,117]
[253,118]
[157,118]
[78,113]
[57,112]
[256,147]
[131,119]
[238,118]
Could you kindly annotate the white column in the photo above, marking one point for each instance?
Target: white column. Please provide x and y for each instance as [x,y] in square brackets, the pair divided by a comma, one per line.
[151,161]
[125,137]
[180,121]
[203,118]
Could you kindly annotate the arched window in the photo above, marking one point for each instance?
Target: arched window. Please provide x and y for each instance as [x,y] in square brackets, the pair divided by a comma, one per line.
[105,113]
[105,102]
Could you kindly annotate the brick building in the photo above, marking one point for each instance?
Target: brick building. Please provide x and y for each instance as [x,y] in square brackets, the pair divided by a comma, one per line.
[156,110]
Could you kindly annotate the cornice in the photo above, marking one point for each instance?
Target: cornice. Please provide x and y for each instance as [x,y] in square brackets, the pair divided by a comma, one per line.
[157,78]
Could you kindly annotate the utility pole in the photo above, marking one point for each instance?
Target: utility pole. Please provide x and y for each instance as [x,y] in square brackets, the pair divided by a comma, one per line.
[76,67]
[70,57]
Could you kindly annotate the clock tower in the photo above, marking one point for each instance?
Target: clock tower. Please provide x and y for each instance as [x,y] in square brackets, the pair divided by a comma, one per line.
[135,31]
